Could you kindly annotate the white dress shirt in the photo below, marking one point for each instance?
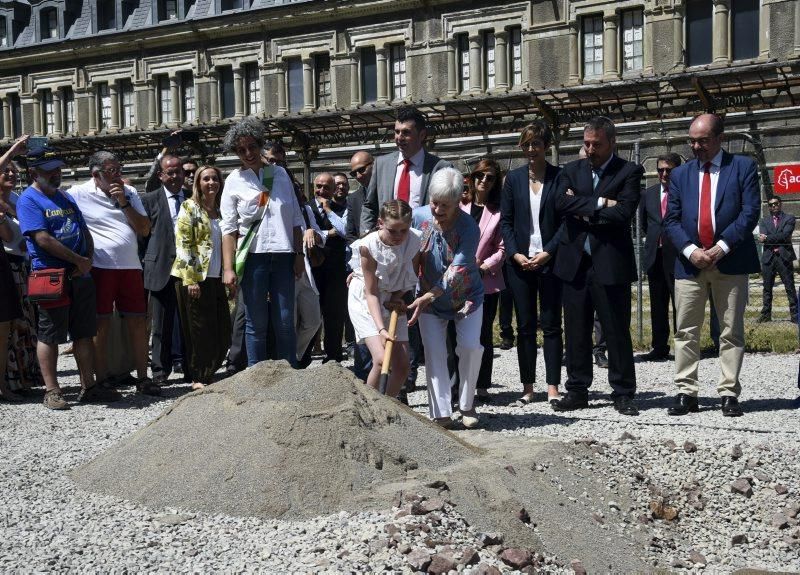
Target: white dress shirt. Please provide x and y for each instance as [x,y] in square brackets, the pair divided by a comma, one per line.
[415,171]
[713,170]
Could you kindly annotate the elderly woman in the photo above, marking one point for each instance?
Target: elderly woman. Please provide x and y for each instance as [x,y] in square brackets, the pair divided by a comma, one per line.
[259,199]
[22,367]
[202,302]
[531,231]
[450,289]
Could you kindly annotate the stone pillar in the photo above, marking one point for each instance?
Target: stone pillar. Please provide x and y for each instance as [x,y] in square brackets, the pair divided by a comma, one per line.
[282,106]
[114,94]
[647,43]
[152,106]
[475,64]
[720,44]
[501,60]
[452,69]
[797,31]
[383,75]
[8,129]
[763,31]
[37,114]
[175,100]
[238,93]
[57,121]
[679,62]
[574,71]
[93,111]
[308,85]
[355,85]
[610,40]
[213,94]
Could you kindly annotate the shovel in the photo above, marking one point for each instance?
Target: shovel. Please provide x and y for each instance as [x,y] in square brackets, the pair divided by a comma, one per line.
[387,354]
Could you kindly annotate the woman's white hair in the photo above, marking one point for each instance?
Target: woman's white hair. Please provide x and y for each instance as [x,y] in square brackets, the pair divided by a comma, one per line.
[446,185]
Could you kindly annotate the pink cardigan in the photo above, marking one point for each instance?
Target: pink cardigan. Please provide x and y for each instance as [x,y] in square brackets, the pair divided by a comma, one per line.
[491,250]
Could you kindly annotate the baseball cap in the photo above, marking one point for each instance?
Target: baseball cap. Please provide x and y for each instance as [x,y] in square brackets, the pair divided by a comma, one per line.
[44,158]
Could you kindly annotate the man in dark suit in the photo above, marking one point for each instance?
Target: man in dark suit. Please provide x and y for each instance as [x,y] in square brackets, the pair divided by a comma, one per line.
[361,170]
[162,206]
[659,258]
[775,232]
[598,197]
[404,174]
[712,209]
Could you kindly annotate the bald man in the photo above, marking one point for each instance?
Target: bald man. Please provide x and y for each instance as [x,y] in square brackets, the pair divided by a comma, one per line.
[361,171]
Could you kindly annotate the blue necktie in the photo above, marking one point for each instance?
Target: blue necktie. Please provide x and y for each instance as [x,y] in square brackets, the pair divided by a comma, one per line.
[595,180]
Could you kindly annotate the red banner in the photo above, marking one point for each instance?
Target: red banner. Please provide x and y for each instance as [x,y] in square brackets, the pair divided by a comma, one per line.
[787,179]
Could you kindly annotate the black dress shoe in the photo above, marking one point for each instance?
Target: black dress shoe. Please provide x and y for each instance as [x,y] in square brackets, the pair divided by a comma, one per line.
[683,405]
[570,402]
[507,343]
[600,359]
[731,407]
[654,355]
[625,406]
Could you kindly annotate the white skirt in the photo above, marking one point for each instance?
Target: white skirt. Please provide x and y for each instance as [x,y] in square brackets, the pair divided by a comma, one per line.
[362,321]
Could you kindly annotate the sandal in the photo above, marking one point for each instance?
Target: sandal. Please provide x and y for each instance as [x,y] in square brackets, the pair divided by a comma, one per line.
[197,385]
[527,398]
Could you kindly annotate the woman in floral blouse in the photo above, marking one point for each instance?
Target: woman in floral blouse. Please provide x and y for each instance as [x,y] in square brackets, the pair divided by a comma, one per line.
[202,300]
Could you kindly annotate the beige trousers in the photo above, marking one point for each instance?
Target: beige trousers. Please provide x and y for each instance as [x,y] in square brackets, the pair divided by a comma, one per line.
[730,299]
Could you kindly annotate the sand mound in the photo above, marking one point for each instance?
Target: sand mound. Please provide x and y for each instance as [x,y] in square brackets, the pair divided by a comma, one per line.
[275,442]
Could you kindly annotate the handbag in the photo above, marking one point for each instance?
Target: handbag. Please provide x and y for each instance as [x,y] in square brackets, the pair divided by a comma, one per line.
[244,247]
[48,287]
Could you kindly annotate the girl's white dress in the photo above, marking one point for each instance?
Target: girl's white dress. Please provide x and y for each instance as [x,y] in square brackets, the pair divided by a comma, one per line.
[395,272]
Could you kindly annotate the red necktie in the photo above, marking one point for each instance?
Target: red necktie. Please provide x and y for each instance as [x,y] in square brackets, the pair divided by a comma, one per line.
[706,227]
[404,186]
[664,204]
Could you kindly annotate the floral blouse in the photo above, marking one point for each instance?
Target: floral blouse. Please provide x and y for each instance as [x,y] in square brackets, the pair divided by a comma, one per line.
[193,244]
[448,262]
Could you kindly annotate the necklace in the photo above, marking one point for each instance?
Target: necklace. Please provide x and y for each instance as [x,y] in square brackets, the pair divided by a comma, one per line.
[533,177]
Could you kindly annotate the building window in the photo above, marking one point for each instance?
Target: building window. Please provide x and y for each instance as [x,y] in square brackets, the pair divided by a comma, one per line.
[104,105]
[16,115]
[226,5]
[462,54]
[49,23]
[48,117]
[515,55]
[253,87]
[699,32]
[68,115]
[106,15]
[398,69]
[127,117]
[744,29]
[632,42]
[369,75]
[3,32]
[489,59]
[227,98]
[187,92]
[592,46]
[294,71]
[164,100]
[322,74]
[167,10]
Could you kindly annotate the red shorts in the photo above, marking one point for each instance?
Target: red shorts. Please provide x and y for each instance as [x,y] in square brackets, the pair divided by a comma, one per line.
[125,288]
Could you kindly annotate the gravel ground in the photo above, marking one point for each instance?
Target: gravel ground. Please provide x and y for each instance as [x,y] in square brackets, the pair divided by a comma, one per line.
[709,492]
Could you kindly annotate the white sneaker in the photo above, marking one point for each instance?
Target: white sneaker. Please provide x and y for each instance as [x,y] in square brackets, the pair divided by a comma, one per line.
[469,419]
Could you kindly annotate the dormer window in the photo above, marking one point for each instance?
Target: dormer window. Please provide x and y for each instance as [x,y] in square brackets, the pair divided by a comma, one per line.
[106,15]
[172,9]
[226,5]
[48,21]
[3,32]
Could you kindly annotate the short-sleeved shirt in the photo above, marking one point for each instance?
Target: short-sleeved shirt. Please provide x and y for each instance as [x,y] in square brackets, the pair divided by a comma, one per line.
[57,215]
[115,244]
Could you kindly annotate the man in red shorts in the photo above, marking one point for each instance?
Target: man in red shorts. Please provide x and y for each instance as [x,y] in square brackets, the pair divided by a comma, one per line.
[115,216]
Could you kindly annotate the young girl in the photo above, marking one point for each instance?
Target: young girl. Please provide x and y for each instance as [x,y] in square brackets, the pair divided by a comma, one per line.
[384,263]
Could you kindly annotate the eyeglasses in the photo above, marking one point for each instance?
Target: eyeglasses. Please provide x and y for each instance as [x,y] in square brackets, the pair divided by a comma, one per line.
[772,204]
[532,144]
[189,172]
[698,141]
[664,170]
[484,176]
[322,186]
[271,160]
[112,171]
[359,171]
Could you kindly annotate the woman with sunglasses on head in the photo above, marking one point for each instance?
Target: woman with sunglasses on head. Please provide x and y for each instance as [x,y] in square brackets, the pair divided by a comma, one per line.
[531,231]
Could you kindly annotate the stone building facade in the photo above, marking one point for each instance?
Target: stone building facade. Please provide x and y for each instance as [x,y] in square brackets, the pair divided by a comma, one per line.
[325,74]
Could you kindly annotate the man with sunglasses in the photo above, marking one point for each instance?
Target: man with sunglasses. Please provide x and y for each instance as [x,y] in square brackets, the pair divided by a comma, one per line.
[775,233]
[659,258]
[361,171]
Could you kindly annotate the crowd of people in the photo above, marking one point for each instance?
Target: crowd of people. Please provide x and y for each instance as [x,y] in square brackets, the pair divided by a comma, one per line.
[209,271]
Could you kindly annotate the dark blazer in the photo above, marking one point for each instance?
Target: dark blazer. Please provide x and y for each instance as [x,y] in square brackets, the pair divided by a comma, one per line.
[335,246]
[653,230]
[736,212]
[381,185]
[608,229]
[354,202]
[778,237]
[160,251]
[515,210]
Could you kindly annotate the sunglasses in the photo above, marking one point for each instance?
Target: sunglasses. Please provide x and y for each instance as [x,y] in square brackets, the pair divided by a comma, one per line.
[771,204]
[359,171]
[664,170]
[483,176]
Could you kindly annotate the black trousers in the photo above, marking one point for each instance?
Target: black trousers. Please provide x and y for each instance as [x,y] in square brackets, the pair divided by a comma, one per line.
[490,302]
[331,282]
[784,270]
[164,309]
[582,296]
[506,309]
[661,286]
[537,301]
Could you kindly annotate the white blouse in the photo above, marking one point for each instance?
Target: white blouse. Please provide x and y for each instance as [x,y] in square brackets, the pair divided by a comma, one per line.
[535,246]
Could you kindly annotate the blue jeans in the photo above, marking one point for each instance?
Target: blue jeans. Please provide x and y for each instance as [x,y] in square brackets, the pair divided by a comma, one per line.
[269,274]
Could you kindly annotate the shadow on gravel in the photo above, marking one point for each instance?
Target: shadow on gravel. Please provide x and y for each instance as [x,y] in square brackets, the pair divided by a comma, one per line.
[508,422]
[776,404]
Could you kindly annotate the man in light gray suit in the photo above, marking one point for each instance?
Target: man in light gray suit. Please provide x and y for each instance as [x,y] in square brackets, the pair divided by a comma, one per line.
[404,174]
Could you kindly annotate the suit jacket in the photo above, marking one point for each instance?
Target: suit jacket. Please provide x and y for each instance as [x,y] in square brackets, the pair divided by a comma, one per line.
[608,229]
[381,185]
[160,251]
[354,202]
[736,212]
[515,209]
[653,230]
[335,246]
[779,237]
[490,250]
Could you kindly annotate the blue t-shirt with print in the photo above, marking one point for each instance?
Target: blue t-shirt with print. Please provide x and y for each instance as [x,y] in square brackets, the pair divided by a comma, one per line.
[59,216]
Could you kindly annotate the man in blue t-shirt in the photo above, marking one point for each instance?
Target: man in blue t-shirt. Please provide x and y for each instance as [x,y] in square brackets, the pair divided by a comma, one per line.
[57,237]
